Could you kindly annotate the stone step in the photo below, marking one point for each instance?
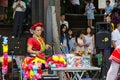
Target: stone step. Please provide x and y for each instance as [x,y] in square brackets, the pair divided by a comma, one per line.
[80,20]
[75,30]
[7,29]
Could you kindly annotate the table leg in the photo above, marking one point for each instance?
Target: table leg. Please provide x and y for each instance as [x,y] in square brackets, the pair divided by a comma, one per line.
[74,75]
[77,76]
[81,75]
[97,72]
[62,75]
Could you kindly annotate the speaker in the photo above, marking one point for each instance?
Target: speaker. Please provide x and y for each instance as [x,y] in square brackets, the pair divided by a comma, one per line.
[103,35]
[18,46]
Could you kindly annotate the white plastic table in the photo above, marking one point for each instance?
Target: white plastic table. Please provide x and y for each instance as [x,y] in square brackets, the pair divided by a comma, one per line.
[75,71]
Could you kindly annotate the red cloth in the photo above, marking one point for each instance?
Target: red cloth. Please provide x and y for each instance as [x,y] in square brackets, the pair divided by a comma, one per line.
[35,44]
[115,56]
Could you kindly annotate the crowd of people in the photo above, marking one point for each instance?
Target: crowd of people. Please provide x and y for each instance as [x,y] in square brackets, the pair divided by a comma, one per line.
[72,41]
[85,41]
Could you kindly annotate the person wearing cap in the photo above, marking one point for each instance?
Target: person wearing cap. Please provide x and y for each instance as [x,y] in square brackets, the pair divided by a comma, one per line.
[35,47]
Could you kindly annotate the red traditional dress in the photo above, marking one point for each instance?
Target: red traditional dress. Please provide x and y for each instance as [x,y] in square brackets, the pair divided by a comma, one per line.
[35,43]
[32,65]
[115,56]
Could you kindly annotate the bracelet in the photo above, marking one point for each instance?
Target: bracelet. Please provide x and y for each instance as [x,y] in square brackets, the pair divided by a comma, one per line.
[40,51]
[35,52]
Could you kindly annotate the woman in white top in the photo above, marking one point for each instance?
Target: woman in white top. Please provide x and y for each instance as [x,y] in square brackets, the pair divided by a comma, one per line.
[19,8]
[89,40]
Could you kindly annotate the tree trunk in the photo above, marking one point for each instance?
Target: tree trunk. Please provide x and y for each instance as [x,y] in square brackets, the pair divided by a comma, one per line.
[55,31]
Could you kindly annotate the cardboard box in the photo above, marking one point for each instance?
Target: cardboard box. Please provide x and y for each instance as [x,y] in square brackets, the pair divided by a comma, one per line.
[73,60]
[86,61]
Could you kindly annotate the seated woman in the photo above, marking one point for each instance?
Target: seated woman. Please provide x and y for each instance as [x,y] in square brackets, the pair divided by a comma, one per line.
[33,64]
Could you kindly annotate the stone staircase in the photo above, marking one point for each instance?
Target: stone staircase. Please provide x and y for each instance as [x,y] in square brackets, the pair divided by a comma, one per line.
[76,22]
[6,30]
[79,21]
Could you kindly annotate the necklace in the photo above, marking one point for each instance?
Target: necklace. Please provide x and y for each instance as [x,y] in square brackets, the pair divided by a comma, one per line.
[41,42]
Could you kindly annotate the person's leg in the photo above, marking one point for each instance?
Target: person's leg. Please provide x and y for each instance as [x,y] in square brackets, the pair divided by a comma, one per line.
[15,25]
[112,72]
[27,13]
[77,9]
[20,24]
[2,15]
[88,22]
[0,12]
[5,13]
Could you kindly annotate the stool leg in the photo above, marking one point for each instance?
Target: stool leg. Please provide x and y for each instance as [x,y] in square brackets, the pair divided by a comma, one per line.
[6,77]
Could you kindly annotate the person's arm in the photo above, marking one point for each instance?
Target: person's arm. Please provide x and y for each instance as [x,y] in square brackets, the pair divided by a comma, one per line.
[93,42]
[95,10]
[15,6]
[80,44]
[85,43]
[48,46]
[114,39]
[93,7]
[114,43]
[23,6]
